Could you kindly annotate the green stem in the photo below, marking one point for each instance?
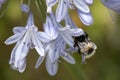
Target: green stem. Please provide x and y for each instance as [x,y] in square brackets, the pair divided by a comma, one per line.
[29,2]
[41,8]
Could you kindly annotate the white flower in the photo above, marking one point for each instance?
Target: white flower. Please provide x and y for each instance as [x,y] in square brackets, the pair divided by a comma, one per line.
[26,37]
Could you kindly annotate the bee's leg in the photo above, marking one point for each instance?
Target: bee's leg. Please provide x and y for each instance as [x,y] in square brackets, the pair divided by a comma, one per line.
[71,49]
[83,59]
[79,51]
[75,44]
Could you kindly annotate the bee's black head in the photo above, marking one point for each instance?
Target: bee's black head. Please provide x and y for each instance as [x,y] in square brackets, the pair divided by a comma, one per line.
[82,38]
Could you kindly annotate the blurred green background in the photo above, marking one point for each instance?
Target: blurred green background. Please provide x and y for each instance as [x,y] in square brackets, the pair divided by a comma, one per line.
[105,32]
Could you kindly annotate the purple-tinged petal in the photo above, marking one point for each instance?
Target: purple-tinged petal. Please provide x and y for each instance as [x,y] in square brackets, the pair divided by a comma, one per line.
[14,38]
[62,10]
[68,21]
[112,4]
[39,61]
[89,1]
[53,52]
[19,30]
[20,57]
[30,21]
[68,58]
[86,18]
[76,32]
[25,8]
[66,36]
[52,68]
[13,53]
[19,53]
[22,65]
[50,29]
[82,6]
[37,44]
[43,37]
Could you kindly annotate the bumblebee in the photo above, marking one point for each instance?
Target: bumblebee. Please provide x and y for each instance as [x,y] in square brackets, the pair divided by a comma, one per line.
[85,46]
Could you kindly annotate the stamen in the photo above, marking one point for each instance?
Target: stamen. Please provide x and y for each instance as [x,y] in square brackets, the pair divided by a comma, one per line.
[71,4]
[24,42]
[32,45]
[28,44]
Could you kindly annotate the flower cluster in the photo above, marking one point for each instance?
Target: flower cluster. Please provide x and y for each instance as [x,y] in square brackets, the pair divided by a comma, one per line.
[56,41]
[81,6]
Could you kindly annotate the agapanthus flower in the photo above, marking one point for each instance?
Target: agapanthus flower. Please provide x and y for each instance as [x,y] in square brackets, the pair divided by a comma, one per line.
[58,38]
[112,4]
[80,5]
[26,37]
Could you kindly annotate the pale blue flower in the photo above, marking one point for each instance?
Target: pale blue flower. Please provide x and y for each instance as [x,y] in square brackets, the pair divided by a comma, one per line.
[54,50]
[56,43]
[112,4]
[67,32]
[63,6]
[25,8]
[26,37]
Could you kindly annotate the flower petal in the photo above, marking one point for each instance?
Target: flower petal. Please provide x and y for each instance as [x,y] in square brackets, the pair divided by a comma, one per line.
[25,8]
[52,68]
[22,65]
[39,61]
[19,29]
[82,6]
[49,28]
[86,18]
[38,45]
[13,53]
[14,39]
[43,37]
[75,32]
[68,21]
[53,52]
[30,21]
[68,58]
[66,36]
[61,11]
[112,4]
[20,57]
[89,1]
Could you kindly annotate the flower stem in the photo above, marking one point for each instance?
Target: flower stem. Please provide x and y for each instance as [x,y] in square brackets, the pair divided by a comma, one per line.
[41,8]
